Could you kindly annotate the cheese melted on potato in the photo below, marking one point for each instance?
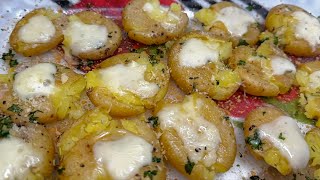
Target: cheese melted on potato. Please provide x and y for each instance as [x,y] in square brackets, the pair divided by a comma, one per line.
[200,137]
[35,81]
[130,77]
[307,28]
[39,29]
[281,65]
[82,37]
[235,19]
[123,157]
[17,157]
[285,135]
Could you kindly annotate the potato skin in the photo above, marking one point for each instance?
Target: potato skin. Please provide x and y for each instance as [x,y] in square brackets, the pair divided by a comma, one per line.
[44,108]
[114,35]
[39,138]
[176,153]
[198,79]
[32,49]
[269,153]
[279,19]
[121,106]
[79,161]
[142,28]
[251,36]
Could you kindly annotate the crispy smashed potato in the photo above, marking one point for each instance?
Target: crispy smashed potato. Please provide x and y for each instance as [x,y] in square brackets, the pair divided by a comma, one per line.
[175,145]
[146,21]
[38,140]
[298,35]
[216,19]
[128,84]
[313,140]
[212,76]
[307,77]
[79,160]
[37,46]
[68,87]
[91,36]
[265,71]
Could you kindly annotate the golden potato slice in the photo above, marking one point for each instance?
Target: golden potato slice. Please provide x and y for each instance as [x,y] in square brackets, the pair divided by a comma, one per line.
[265,71]
[197,70]
[297,30]
[307,77]
[27,153]
[128,84]
[221,17]
[146,21]
[313,140]
[196,137]
[80,161]
[42,93]
[267,146]
[37,32]
[91,36]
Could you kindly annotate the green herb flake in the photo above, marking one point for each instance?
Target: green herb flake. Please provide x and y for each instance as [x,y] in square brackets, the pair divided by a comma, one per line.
[5,125]
[32,117]
[189,166]
[254,141]
[150,174]
[250,7]
[276,40]
[60,170]
[156,159]
[242,42]
[9,56]
[90,63]
[15,108]
[154,121]
[281,136]
[241,63]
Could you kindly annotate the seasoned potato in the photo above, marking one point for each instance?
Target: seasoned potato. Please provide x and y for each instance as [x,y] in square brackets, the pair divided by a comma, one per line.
[265,71]
[128,84]
[26,153]
[197,63]
[91,36]
[297,30]
[313,140]
[146,21]
[220,17]
[196,137]
[85,160]
[307,78]
[43,93]
[37,32]
[273,136]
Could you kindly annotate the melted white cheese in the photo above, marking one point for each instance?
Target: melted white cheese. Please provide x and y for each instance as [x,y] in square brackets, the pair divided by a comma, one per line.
[123,157]
[235,19]
[35,81]
[292,146]
[282,65]
[16,158]
[85,37]
[120,78]
[196,53]
[314,80]
[196,133]
[39,29]
[308,28]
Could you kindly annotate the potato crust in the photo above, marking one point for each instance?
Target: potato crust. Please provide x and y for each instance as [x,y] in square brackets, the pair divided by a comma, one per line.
[32,49]
[144,29]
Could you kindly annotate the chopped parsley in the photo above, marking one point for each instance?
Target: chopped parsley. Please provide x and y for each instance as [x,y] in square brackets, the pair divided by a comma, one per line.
[242,42]
[254,141]
[263,40]
[250,7]
[155,53]
[32,117]
[5,125]
[154,121]
[150,174]
[189,166]
[281,136]
[156,159]
[9,56]
[15,108]
[276,40]
[241,63]
[90,63]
